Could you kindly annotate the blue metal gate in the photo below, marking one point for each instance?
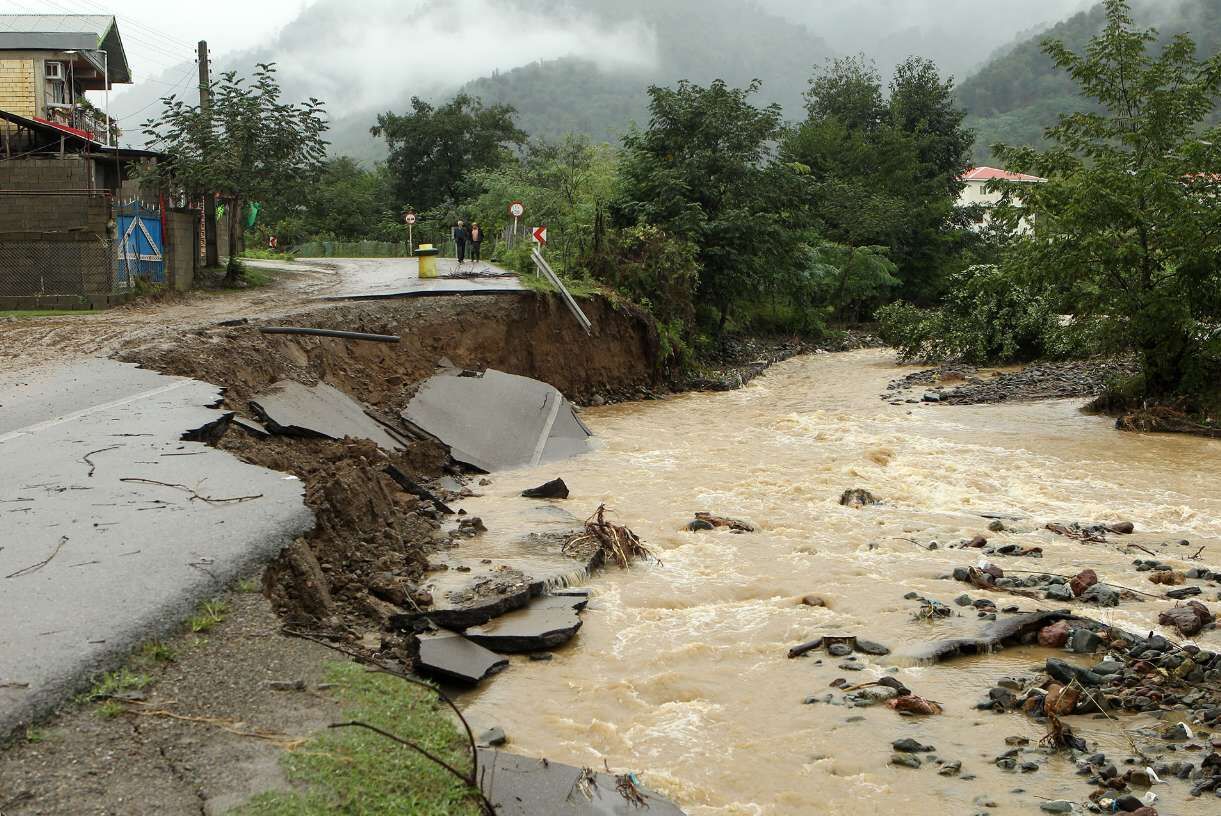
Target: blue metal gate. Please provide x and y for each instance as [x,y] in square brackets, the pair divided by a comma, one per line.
[139,251]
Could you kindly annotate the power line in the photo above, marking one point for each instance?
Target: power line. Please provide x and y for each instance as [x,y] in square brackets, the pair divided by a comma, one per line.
[133,37]
[179,85]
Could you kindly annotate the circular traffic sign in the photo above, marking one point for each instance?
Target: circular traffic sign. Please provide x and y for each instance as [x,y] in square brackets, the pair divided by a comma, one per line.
[409,218]
[517,209]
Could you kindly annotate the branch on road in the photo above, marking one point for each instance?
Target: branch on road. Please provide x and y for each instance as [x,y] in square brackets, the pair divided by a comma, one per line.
[194,495]
[89,462]
[36,567]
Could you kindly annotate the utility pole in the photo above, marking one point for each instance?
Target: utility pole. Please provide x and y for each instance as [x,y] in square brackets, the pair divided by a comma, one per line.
[211,255]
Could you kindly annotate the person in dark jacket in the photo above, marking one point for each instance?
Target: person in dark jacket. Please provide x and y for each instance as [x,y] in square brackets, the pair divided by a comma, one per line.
[461,236]
[476,241]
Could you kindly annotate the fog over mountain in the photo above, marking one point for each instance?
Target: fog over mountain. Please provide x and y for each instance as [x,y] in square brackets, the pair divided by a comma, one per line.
[370,56]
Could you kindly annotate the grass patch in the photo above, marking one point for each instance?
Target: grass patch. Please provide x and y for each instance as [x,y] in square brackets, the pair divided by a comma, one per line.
[580,288]
[248,585]
[115,682]
[156,652]
[111,709]
[209,614]
[25,314]
[36,735]
[268,255]
[354,771]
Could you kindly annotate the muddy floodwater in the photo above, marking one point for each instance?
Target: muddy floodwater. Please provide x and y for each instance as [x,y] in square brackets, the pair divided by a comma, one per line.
[680,670]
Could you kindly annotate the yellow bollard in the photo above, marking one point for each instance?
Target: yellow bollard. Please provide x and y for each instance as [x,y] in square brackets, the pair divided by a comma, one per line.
[428,260]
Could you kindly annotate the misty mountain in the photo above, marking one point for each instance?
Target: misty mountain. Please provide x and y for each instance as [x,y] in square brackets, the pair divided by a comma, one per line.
[584,65]
[1020,92]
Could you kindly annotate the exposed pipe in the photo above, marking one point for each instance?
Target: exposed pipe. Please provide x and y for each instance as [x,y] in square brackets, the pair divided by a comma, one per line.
[346,335]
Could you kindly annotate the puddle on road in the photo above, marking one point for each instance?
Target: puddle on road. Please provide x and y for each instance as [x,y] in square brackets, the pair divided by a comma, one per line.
[680,671]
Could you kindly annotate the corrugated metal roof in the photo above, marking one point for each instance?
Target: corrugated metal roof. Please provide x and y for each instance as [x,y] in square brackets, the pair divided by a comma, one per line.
[67,32]
[97,24]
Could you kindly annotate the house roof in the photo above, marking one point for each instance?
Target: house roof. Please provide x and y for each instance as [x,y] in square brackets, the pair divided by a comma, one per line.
[67,32]
[74,137]
[996,174]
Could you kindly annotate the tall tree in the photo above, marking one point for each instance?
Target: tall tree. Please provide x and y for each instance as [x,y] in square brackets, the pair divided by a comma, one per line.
[251,147]
[434,150]
[704,171]
[886,168]
[1128,225]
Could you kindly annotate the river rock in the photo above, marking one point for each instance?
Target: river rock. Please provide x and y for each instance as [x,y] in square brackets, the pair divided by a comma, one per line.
[1065,673]
[1188,619]
[1083,581]
[1101,595]
[1058,592]
[1183,593]
[839,650]
[857,497]
[1056,806]
[554,489]
[1083,641]
[1054,636]
[1123,528]
[871,648]
[907,745]
[905,761]
[812,600]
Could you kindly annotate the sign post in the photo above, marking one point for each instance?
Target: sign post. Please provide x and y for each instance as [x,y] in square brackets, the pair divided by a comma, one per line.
[409,218]
[517,210]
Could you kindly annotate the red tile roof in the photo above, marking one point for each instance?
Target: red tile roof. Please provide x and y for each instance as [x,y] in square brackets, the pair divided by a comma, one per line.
[993,174]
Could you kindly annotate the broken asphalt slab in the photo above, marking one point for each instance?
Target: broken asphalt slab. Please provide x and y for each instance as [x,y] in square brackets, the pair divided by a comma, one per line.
[521,786]
[533,629]
[293,409]
[112,528]
[495,421]
[451,657]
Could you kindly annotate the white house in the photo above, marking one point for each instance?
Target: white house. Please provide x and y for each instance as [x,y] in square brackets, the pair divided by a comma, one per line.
[976,190]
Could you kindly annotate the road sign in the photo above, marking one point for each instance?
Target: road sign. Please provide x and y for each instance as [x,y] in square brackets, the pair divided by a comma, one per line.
[540,236]
[409,218]
[517,209]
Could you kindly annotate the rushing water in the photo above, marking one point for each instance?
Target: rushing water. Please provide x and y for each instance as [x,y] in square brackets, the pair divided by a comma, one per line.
[680,670]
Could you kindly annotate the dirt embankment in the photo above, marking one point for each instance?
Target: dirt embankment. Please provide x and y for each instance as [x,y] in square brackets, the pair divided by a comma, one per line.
[362,563]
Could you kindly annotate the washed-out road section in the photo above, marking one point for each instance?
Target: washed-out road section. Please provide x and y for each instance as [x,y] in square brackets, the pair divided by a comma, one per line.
[112,527]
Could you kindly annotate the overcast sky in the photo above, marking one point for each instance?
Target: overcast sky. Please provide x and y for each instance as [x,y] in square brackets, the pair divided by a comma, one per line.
[160,34]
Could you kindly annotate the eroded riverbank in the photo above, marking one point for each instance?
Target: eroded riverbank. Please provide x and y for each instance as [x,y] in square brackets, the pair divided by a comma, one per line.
[680,668]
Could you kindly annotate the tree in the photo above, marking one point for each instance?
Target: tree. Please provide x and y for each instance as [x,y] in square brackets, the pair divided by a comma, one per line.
[886,169]
[251,146]
[435,151]
[1128,226]
[704,173]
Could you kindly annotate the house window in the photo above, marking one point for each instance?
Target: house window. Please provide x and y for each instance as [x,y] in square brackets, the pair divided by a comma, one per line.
[56,94]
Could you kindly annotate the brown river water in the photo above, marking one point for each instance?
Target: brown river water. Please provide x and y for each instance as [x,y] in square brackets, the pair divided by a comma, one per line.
[680,669]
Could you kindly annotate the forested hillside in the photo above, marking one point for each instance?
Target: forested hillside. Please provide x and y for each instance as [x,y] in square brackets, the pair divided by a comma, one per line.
[1019,93]
[695,41]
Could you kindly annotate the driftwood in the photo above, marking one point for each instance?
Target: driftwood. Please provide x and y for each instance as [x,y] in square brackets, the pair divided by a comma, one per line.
[614,540]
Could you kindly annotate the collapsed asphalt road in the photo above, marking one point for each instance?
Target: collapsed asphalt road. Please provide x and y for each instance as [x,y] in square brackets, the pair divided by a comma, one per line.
[112,527]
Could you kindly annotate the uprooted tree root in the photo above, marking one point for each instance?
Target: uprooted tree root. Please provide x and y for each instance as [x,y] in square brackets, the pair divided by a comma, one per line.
[1164,419]
[615,541]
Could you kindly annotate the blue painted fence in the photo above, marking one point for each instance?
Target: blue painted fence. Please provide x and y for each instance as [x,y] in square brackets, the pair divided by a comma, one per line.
[140,249]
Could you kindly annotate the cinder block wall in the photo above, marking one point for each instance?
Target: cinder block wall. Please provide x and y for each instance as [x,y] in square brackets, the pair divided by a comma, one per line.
[54,214]
[68,173]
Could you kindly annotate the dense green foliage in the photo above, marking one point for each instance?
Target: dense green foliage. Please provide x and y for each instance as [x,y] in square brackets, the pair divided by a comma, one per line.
[1128,227]
[433,150]
[250,146]
[1021,92]
[886,169]
[1125,234]
[703,172]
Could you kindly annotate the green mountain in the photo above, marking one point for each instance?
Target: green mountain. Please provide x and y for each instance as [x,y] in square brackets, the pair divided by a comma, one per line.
[697,41]
[1020,92]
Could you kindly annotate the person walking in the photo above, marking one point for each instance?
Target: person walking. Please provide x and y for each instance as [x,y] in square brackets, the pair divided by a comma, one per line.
[476,241]
[460,238]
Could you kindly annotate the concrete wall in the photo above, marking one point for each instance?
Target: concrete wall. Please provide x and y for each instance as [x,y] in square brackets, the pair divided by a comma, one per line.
[69,173]
[181,247]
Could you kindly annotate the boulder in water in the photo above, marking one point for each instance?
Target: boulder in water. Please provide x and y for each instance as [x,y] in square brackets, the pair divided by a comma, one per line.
[857,497]
[554,489]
